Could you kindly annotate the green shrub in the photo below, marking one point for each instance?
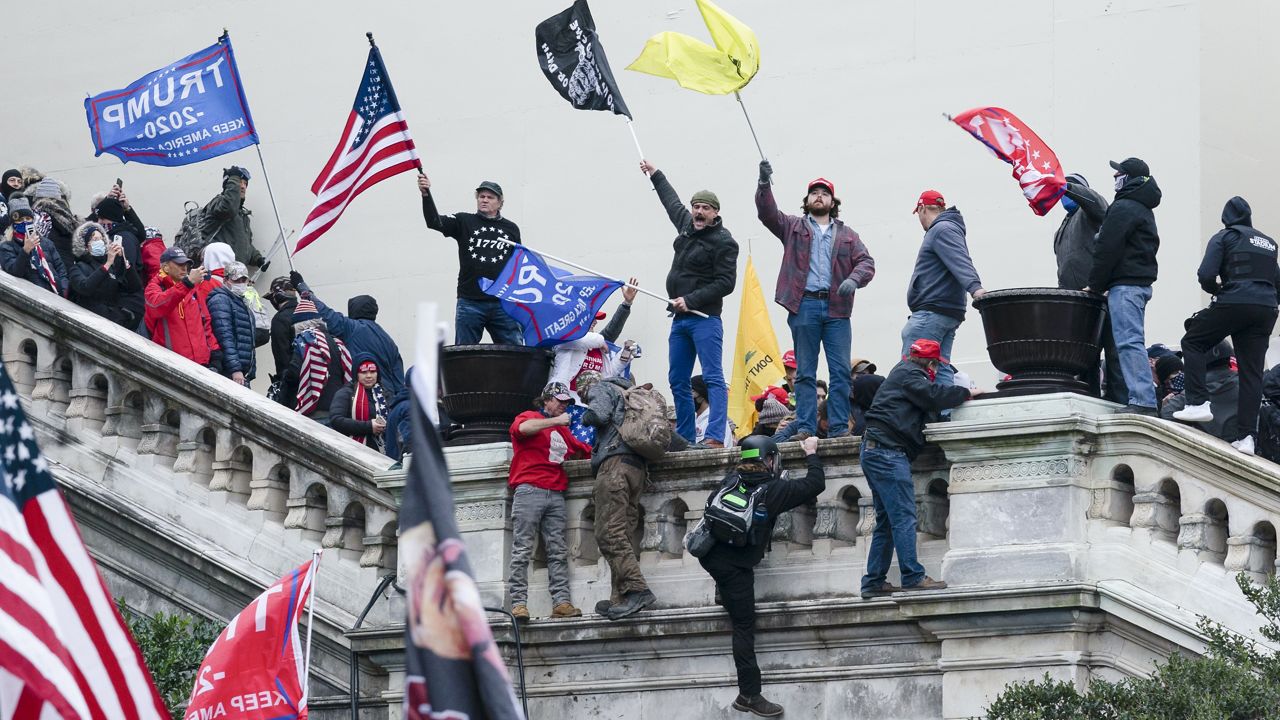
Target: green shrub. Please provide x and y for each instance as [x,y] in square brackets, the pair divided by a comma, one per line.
[1234,679]
[173,646]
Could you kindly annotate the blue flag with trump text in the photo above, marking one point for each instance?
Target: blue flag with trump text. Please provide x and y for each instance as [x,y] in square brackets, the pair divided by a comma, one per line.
[552,304]
[190,110]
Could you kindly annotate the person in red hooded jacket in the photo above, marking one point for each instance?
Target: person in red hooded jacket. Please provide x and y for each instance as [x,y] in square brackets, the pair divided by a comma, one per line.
[175,316]
[151,250]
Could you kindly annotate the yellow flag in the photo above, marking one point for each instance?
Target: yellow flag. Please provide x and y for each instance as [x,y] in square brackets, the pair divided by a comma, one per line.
[757,361]
[718,70]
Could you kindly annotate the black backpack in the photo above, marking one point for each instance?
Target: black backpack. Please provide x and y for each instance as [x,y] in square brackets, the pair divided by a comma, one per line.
[1269,431]
[736,514]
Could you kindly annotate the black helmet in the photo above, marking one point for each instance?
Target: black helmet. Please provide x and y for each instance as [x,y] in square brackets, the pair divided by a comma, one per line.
[758,447]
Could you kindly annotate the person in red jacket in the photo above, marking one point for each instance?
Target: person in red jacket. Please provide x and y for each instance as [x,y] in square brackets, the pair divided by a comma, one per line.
[175,317]
[540,443]
[152,249]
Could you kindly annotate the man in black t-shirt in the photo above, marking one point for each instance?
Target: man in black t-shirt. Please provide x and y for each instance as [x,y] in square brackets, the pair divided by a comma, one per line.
[481,254]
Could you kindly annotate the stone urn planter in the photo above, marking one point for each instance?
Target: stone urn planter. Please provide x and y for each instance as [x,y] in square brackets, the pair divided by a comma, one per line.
[1045,338]
[485,386]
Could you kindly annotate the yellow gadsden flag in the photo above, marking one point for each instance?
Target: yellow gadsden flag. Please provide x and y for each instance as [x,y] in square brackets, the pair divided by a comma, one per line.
[757,361]
[719,70]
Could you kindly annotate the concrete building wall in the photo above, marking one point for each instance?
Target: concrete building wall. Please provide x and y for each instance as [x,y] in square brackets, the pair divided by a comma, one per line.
[853,91]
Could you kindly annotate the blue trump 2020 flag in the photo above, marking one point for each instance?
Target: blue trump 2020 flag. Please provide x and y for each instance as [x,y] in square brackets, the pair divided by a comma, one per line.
[552,304]
[191,110]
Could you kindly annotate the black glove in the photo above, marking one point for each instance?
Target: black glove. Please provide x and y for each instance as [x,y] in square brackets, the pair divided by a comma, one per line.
[295,279]
[766,172]
[236,171]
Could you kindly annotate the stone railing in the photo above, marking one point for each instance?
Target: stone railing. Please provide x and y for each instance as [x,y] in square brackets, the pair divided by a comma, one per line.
[1075,541]
[234,488]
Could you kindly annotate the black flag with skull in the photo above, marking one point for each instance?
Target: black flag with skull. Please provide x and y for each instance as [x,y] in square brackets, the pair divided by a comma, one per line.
[570,55]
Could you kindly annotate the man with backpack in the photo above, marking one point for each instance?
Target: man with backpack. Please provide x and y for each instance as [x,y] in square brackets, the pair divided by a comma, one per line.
[223,219]
[740,515]
[631,430]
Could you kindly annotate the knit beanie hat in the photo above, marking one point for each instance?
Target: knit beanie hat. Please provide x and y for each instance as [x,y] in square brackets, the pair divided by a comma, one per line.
[706,196]
[109,209]
[48,188]
[19,204]
[306,310]
[772,412]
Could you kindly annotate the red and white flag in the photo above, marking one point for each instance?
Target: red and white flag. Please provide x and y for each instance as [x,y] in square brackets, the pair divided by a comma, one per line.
[375,145]
[257,669]
[64,649]
[1035,167]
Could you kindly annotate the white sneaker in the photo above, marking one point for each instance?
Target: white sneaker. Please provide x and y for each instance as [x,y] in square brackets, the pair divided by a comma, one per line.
[1244,444]
[1195,413]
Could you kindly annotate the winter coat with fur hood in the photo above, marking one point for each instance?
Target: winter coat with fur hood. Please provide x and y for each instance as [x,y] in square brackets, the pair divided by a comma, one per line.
[98,287]
[17,262]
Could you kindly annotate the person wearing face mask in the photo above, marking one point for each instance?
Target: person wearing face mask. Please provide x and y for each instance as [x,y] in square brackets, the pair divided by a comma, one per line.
[1124,268]
[908,398]
[101,275]
[25,252]
[703,272]
[823,263]
[233,324]
[1073,248]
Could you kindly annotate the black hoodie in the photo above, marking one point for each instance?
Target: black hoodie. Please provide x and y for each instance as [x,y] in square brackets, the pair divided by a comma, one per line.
[1125,252]
[1243,258]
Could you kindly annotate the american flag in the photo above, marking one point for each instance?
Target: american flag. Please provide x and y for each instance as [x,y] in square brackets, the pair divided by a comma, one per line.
[64,650]
[375,145]
[584,432]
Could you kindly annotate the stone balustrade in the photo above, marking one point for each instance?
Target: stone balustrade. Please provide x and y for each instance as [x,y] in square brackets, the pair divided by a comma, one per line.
[226,489]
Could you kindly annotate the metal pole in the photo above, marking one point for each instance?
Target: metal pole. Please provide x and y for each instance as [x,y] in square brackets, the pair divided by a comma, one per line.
[632,127]
[515,629]
[311,621]
[593,272]
[267,179]
[750,127]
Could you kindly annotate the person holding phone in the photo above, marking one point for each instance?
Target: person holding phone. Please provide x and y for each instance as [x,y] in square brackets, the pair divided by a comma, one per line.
[101,275]
[175,316]
[26,251]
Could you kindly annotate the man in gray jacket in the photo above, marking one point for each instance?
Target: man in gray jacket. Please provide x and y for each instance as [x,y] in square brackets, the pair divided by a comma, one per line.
[620,479]
[1073,247]
[943,275]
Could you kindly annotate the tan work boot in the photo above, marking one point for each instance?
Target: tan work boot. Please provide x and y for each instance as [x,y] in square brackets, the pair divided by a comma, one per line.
[520,612]
[927,583]
[565,610]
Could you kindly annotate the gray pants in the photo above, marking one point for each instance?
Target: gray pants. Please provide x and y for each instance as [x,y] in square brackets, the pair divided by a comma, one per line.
[534,509]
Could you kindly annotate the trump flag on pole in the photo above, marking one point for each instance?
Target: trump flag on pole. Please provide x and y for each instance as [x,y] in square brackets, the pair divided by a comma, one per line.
[374,146]
[64,650]
[256,668]
[1035,167]
[550,303]
[191,110]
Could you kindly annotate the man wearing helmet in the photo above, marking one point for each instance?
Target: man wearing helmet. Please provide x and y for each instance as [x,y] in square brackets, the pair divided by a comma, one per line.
[758,474]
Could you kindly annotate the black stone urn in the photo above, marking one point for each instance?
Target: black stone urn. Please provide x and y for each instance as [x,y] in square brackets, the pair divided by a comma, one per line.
[1046,339]
[485,386]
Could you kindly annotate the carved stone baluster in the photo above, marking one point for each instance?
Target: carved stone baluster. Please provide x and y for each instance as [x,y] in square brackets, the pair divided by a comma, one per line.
[1202,534]
[835,521]
[1157,513]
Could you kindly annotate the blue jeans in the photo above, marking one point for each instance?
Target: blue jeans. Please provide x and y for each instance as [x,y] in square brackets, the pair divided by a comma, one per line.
[397,427]
[928,325]
[473,317]
[703,338]
[809,327]
[1127,307]
[888,472]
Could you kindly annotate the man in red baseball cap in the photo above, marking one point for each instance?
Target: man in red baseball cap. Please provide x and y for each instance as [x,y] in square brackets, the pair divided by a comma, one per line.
[910,396]
[943,274]
[823,264]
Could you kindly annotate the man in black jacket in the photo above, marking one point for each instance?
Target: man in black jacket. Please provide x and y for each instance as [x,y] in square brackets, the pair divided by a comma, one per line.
[703,273]
[1240,271]
[1124,268]
[906,400]
[733,568]
[284,298]
[483,250]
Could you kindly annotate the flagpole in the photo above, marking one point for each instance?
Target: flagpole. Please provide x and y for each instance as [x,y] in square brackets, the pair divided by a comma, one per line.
[637,288]
[311,622]
[632,127]
[267,179]
[749,125]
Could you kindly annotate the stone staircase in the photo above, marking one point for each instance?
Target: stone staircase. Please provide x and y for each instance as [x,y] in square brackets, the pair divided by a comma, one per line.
[1076,542]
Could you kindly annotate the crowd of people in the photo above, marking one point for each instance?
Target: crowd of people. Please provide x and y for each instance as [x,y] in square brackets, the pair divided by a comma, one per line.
[197,298]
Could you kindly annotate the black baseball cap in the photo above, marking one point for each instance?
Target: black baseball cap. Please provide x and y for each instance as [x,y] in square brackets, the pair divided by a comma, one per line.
[492,187]
[1133,167]
[175,254]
